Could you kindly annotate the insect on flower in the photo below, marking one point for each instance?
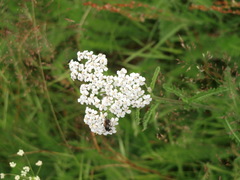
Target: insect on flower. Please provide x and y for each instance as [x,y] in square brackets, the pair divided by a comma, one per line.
[107,125]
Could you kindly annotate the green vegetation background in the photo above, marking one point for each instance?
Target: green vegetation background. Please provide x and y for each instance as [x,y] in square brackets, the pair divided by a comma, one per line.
[191,129]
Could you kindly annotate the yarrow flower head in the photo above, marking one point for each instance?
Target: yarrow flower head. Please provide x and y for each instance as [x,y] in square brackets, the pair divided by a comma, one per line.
[111,97]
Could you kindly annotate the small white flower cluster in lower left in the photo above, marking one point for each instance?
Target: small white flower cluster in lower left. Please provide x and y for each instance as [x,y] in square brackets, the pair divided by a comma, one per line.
[24,174]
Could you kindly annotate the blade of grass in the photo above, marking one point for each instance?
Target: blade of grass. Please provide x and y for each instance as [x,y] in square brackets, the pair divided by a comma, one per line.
[168,35]
[138,53]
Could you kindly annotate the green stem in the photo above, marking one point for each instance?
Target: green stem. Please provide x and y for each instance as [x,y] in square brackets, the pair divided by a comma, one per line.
[179,102]
[232,131]
[44,79]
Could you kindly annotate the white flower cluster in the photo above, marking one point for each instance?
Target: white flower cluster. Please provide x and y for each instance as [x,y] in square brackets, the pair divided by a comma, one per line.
[111,96]
[24,175]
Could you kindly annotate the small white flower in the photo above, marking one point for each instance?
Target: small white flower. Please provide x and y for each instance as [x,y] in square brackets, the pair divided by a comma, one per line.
[20,152]
[2,175]
[36,178]
[39,163]
[26,168]
[12,164]
[149,89]
[17,177]
[23,173]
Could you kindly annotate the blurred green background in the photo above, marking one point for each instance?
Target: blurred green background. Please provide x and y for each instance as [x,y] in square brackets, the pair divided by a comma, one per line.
[191,129]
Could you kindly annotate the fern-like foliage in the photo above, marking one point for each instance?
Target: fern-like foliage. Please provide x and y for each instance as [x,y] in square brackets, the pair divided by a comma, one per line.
[176,91]
[232,126]
[149,114]
[232,118]
[200,96]
[136,116]
[154,78]
[206,94]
